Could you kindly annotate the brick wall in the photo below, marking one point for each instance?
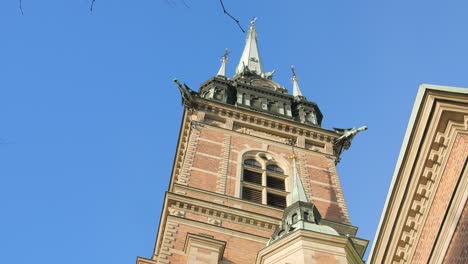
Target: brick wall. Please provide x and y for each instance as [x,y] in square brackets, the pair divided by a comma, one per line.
[439,206]
[457,252]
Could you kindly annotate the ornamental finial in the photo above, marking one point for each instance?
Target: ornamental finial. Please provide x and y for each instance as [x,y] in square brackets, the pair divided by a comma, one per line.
[294,73]
[226,53]
[252,22]
[222,69]
[296,90]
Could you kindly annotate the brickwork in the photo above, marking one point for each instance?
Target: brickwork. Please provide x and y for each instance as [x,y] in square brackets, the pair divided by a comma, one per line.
[441,201]
[215,167]
[457,252]
[210,181]
[236,242]
[338,194]
[223,166]
[167,245]
[188,157]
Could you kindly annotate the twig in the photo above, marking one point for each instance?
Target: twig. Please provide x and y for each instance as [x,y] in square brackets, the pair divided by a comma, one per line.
[233,18]
[21,6]
[92,5]
[185,4]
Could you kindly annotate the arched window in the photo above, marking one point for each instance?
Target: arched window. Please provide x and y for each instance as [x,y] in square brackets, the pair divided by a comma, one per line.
[263,183]
[306,216]
[252,163]
[274,168]
[294,218]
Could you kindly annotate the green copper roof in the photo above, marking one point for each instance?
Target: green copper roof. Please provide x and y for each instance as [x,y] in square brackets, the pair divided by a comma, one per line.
[297,191]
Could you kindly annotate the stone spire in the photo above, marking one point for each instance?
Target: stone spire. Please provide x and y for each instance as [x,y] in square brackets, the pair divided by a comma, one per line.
[222,69]
[297,191]
[301,214]
[296,90]
[250,59]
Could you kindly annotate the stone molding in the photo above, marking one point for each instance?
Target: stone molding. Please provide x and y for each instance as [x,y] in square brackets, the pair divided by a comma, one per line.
[224,165]
[273,123]
[167,245]
[310,240]
[439,115]
[424,191]
[216,213]
[193,242]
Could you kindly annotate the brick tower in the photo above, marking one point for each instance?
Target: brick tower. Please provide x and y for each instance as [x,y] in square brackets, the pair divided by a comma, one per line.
[236,195]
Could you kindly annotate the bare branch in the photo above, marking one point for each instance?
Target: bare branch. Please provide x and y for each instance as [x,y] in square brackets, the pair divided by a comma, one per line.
[21,6]
[185,4]
[92,5]
[233,18]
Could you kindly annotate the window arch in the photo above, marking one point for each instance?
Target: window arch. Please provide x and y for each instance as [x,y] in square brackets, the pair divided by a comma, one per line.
[263,181]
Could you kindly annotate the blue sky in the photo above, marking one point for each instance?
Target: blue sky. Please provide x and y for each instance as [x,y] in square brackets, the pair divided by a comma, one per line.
[89,116]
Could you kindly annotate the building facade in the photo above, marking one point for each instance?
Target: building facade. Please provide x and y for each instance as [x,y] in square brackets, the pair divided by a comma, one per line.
[425,216]
[254,178]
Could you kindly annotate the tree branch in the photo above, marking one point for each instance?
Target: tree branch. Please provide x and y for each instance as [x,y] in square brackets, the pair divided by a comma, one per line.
[233,18]
[21,6]
[92,5]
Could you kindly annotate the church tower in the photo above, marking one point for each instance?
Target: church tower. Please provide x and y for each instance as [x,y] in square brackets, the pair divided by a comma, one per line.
[254,177]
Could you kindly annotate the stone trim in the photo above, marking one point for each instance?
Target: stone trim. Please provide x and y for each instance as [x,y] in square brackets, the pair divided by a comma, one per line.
[439,114]
[224,165]
[179,207]
[451,223]
[217,229]
[424,191]
[167,242]
[205,171]
[270,123]
[213,249]
[183,177]
[208,155]
[335,181]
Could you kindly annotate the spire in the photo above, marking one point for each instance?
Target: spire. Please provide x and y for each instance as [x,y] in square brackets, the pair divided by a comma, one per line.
[250,58]
[296,90]
[297,190]
[300,214]
[222,69]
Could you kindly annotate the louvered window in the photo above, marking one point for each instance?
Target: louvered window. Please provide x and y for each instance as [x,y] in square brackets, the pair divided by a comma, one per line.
[263,183]
[276,200]
[275,183]
[252,163]
[253,177]
[274,168]
[252,195]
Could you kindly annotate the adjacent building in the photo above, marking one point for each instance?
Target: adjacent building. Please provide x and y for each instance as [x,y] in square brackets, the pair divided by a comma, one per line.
[425,216]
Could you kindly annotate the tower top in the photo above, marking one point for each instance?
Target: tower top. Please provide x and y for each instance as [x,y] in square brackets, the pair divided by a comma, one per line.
[250,59]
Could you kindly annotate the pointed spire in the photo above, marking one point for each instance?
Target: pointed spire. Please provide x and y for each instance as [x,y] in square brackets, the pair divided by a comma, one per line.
[296,90]
[250,58]
[297,191]
[222,69]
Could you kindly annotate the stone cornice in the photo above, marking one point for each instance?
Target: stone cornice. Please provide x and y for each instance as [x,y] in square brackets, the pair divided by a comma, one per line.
[438,117]
[222,212]
[316,237]
[263,119]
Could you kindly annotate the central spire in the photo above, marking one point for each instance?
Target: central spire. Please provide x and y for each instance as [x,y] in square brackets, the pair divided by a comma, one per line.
[250,58]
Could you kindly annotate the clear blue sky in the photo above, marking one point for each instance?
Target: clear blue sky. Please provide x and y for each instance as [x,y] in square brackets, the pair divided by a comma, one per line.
[89,116]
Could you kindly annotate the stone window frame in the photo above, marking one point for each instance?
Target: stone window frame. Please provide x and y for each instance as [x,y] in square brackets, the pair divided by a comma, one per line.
[264,159]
